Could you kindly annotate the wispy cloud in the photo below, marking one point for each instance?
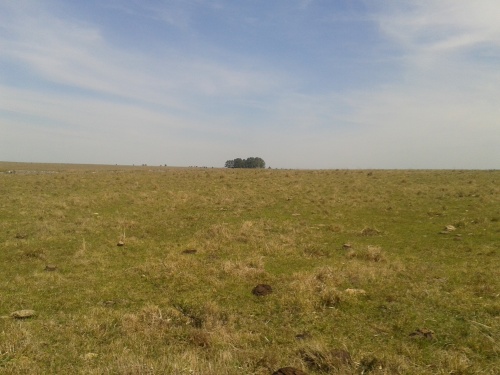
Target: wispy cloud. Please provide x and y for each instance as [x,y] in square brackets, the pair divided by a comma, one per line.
[432,103]
[77,56]
[441,27]
[303,4]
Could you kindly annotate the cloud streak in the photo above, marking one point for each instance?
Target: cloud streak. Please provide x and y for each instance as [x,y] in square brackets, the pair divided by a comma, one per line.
[197,101]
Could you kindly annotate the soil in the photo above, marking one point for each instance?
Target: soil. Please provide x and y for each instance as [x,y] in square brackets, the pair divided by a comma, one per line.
[262,290]
[423,333]
[289,371]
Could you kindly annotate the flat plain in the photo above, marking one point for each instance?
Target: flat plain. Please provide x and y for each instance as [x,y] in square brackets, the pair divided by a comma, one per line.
[369,272]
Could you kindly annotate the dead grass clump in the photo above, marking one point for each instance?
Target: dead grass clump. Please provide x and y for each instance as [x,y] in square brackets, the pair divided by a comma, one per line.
[302,298]
[268,362]
[367,231]
[355,292]
[200,338]
[209,315]
[244,269]
[252,232]
[218,232]
[151,315]
[315,251]
[34,253]
[318,358]
[18,342]
[336,228]
[371,364]
[129,363]
[371,253]
[310,283]
[456,362]
[328,275]
[374,254]
[351,253]
[152,322]
[330,298]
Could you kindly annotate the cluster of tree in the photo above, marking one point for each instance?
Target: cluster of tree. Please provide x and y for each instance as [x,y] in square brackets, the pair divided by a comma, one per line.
[246,163]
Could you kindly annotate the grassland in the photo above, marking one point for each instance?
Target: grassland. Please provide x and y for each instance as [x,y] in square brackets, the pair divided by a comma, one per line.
[361,267]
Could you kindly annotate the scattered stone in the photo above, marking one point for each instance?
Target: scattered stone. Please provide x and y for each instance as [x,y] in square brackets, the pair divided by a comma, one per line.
[120,243]
[262,290]
[190,251]
[303,336]
[21,236]
[50,267]
[289,371]
[423,333]
[23,314]
[448,229]
[355,292]
[346,246]
[295,214]
[109,303]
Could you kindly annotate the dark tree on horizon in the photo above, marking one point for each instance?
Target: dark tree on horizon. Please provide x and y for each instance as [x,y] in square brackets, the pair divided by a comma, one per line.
[251,162]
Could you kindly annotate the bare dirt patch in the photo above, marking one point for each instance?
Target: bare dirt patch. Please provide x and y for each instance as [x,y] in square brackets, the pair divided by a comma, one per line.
[262,290]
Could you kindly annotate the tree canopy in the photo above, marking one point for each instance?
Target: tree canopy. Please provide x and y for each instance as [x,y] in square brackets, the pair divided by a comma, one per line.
[252,162]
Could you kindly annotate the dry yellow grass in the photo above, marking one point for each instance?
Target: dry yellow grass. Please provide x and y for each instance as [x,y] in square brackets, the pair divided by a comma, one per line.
[151,307]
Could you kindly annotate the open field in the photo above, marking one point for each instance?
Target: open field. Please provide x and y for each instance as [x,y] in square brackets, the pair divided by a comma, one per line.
[365,277]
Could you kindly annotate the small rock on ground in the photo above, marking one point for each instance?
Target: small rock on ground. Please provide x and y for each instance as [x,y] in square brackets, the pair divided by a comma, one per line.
[448,229]
[23,314]
[303,336]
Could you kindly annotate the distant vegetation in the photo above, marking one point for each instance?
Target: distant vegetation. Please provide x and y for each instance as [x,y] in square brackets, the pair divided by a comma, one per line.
[133,270]
[253,162]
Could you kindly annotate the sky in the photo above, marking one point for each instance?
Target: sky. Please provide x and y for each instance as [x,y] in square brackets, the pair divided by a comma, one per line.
[309,84]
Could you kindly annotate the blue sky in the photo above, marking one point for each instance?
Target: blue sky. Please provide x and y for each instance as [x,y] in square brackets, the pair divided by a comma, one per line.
[300,83]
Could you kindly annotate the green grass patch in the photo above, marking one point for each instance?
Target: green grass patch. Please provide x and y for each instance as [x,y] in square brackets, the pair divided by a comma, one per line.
[398,269]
